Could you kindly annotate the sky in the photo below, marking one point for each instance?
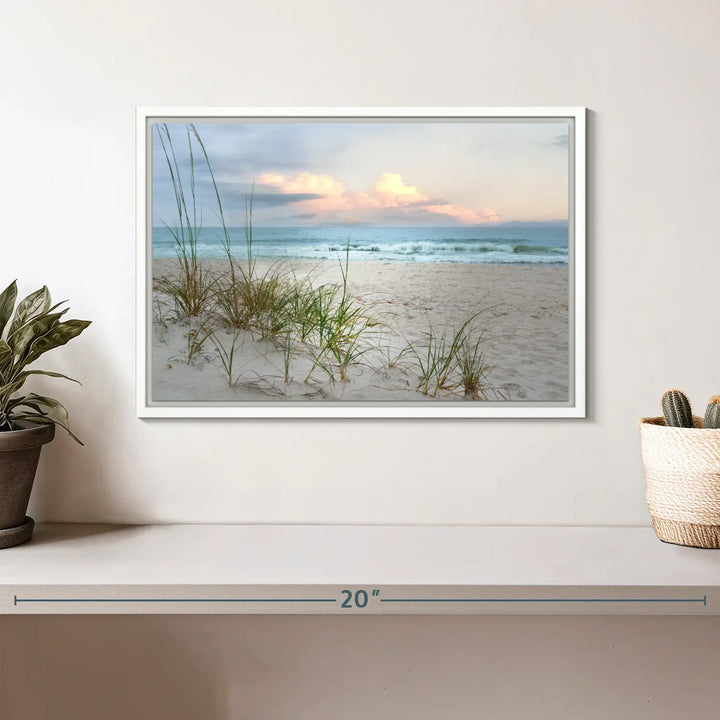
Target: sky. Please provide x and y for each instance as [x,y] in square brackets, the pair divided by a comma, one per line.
[380,173]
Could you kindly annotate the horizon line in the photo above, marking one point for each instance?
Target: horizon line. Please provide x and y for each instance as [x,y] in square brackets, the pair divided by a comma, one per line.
[414,225]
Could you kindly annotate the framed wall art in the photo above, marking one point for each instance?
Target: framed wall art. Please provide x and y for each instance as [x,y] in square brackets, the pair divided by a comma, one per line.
[361,262]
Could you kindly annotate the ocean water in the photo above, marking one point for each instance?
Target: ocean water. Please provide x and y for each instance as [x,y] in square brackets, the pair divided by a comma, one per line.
[511,243]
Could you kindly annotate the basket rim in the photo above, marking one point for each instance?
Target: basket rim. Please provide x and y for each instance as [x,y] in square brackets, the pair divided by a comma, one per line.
[659,422]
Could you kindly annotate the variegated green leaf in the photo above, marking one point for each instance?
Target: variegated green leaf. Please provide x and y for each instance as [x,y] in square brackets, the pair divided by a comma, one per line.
[35,400]
[32,330]
[27,373]
[41,410]
[31,306]
[18,419]
[6,360]
[7,303]
[31,401]
[9,389]
[24,401]
[58,335]
[40,419]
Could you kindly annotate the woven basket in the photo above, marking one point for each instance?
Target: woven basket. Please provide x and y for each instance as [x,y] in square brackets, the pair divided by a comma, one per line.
[682,481]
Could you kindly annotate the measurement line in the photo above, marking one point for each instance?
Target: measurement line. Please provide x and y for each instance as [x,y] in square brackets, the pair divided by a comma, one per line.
[17,600]
[702,600]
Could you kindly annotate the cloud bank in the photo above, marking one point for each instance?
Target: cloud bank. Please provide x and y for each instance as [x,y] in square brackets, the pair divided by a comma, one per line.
[325,199]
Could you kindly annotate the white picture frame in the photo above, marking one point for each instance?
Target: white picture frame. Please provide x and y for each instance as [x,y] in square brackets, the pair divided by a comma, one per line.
[573,407]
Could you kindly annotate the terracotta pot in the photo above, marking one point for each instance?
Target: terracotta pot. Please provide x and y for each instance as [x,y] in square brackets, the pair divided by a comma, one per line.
[19,456]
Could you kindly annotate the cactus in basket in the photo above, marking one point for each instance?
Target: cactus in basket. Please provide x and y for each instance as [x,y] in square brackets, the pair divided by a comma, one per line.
[712,413]
[676,409]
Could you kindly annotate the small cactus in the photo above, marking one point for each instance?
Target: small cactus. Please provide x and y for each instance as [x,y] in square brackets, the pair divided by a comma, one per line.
[676,409]
[712,415]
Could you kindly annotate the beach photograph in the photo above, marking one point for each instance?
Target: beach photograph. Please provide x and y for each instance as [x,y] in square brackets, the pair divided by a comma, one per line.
[360,261]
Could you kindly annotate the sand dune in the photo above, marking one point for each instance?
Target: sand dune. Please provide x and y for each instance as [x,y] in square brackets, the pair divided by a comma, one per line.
[528,331]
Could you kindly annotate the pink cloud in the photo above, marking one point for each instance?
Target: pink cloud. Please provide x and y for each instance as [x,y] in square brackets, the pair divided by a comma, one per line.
[389,191]
[393,192]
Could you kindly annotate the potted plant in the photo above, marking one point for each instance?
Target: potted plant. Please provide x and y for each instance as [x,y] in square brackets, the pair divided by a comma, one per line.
[27,421]
[681,455]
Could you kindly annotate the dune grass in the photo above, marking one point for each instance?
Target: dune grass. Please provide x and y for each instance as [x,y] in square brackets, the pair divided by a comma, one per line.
[454,360]
[197,335]
[191,286]
[226,354]
[474,370]
[342,327]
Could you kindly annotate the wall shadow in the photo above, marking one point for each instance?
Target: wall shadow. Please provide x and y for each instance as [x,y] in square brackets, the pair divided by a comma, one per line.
[74,482]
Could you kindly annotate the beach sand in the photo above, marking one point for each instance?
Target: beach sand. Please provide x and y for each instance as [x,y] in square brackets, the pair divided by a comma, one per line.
[528,331]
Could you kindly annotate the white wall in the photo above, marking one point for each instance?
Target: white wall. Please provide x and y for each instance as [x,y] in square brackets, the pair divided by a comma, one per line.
[73,72]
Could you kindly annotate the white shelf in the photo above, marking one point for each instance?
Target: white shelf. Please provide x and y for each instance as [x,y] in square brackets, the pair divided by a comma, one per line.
[305,569]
